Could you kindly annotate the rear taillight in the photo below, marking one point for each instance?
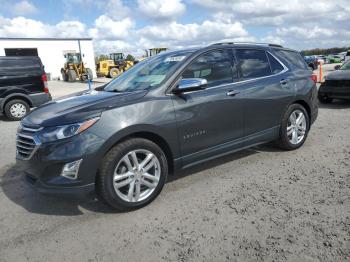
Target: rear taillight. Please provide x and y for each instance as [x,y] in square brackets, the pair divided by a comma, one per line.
[44,79]
[314,78]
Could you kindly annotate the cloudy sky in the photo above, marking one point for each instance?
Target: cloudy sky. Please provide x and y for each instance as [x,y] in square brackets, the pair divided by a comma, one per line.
[133,25]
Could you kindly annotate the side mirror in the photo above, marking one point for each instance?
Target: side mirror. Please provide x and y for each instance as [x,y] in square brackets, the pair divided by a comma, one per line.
[337,67]
[191,84]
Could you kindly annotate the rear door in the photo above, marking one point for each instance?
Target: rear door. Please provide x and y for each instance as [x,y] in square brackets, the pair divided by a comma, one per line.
[264,89]
[21,75]
[207,119]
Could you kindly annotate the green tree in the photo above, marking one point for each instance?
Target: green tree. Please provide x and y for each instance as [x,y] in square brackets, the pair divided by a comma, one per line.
[130,57]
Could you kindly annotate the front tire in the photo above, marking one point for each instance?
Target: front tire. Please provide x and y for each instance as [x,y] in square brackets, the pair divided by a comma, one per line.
[294,128]
[114,72]
[132,174]
[16,109]
[72,76]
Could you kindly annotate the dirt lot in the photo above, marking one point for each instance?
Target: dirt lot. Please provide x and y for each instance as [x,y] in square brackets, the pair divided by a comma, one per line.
[261,204]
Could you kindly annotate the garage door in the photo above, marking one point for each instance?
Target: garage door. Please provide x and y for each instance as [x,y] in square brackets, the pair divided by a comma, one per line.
[21,51]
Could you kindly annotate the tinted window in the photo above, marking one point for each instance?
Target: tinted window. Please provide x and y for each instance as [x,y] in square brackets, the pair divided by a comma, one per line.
[348,53]
[214,66]
[294,59]
[252,63]
[276,66]
[19,66]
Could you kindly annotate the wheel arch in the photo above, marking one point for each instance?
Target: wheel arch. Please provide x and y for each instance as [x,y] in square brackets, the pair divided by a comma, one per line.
[305,105]
[16,96]
[149,135]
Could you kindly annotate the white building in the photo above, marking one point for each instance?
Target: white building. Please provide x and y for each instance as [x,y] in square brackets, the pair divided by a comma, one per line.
[50,50]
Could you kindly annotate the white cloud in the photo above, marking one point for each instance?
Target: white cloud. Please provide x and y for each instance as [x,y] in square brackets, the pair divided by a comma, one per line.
[161,9]
[194,33]
[23,27]
[115,8]
[107,28]
[23,8]
[70,29]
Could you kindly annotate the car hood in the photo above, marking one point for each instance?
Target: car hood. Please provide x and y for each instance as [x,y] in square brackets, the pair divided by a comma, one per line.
[78,107]
[339,75]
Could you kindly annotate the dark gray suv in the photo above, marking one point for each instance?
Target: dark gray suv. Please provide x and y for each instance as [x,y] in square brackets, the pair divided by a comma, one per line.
[167,113]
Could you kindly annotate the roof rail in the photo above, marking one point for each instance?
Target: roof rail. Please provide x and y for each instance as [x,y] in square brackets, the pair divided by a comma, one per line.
[252,43]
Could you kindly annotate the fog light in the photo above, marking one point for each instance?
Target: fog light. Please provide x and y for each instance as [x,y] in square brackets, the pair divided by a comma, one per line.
[70,170]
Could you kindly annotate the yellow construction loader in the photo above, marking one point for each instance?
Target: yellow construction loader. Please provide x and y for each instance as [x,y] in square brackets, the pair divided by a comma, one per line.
[114,66]
[152,52]
[74,68]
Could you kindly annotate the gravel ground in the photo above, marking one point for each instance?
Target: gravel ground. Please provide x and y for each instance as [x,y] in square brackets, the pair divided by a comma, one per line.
[261,204]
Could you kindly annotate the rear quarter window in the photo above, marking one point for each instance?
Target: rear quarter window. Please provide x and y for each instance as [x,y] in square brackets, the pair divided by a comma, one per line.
[293,58]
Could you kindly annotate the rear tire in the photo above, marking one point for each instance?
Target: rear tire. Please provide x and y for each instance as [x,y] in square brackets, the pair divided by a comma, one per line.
[293,133]
[16,109]
[125,185]
[72,76]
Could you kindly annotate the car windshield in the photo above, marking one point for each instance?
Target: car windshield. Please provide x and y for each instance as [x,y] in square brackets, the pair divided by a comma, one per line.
[147,74]
[345,66]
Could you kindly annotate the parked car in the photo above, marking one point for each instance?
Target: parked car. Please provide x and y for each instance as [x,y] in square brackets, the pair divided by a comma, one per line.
[23,84]
[170,112]
[311,62]
[334,59]
[347,56]
[322,59]
[336,85]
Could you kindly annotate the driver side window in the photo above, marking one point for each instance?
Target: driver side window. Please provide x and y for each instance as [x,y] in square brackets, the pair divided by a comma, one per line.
[214,66]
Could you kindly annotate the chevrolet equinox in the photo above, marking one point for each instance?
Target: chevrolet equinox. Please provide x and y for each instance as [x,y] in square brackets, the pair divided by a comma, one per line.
[167,113]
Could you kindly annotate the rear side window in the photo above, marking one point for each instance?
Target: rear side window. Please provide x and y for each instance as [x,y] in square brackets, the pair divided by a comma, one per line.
[19,67]
[252,63]
[214,66]
[276,66]
[294,59]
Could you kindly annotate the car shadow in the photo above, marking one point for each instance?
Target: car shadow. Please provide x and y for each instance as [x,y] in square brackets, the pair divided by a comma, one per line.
[336,104]
[4,118]
[19,192]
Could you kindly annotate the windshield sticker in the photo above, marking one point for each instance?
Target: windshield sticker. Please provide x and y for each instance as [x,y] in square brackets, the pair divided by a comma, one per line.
[174,58]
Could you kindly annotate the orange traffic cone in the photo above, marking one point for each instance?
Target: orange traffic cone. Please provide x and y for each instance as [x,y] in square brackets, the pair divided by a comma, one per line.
[320,74]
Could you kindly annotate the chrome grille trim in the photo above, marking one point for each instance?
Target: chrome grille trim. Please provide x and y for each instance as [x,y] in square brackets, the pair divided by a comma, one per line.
[26,146]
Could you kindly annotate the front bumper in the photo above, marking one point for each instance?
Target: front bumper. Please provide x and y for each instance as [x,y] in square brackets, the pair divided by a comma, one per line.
[43,169]
[77,192]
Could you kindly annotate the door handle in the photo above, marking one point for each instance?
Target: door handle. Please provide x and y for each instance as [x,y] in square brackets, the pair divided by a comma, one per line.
[232,93]
[284,82]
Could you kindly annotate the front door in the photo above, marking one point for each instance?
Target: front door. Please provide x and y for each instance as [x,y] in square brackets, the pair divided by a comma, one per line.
[209,120]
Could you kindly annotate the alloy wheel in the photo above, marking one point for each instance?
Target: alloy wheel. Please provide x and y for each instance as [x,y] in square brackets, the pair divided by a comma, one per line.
[136,175]
[296,127]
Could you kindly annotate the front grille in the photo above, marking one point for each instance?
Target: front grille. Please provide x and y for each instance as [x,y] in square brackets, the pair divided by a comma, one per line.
[26,146]
[338,83]
[26,143]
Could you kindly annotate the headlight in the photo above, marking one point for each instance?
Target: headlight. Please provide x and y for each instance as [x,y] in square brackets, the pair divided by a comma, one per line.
[60,132]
